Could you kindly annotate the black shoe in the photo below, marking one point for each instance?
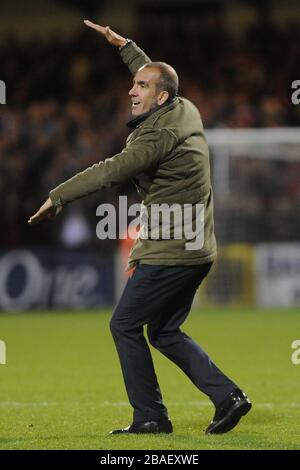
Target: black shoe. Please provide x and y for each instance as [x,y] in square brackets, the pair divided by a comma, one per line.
[146,427]
[229,412]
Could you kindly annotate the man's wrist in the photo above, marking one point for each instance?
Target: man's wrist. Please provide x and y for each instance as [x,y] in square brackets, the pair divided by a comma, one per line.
[124,43]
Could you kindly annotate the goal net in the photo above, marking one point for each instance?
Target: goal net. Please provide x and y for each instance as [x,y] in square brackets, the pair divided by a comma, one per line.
[256,180]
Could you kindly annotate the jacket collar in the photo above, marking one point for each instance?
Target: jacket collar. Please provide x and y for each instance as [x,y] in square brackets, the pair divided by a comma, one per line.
[135,122]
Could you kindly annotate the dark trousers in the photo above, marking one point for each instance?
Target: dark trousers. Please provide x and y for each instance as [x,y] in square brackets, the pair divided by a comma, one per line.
[161,297]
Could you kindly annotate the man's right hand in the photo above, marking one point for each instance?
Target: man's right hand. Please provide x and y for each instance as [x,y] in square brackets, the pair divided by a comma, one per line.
[112,37]
[46,211]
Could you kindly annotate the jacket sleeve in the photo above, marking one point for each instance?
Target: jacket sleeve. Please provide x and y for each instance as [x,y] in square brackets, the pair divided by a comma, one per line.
[133,57]
[143,153]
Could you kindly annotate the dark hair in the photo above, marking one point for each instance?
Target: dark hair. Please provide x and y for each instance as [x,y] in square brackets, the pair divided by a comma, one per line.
[168,80]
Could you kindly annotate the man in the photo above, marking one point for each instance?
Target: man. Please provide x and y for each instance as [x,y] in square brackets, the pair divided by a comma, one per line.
[167,157]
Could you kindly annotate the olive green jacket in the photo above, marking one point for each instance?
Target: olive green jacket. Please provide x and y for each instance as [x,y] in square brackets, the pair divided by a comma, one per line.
[167,158]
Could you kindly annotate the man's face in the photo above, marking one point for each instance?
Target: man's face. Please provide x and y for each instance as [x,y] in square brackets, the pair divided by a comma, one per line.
[143,93]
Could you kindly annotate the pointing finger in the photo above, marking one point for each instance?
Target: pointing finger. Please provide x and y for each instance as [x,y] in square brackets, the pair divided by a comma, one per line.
[97,27]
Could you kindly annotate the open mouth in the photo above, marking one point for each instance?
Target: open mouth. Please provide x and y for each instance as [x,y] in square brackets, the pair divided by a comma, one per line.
[135,103]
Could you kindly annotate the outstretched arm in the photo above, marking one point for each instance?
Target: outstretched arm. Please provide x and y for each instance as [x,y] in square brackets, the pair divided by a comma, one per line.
[144,153]
[131,54]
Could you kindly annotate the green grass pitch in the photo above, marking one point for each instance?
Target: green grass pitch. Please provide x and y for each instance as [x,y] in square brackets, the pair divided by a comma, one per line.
[62,387]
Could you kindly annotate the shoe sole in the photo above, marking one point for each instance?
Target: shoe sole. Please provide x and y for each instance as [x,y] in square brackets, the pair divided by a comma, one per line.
[233,418]
[118,432]
[168,429]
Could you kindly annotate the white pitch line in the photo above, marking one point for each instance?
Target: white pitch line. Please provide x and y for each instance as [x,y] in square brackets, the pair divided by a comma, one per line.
[41,404]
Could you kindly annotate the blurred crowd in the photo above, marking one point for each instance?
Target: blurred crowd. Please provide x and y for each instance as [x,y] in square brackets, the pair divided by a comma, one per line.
[67,108]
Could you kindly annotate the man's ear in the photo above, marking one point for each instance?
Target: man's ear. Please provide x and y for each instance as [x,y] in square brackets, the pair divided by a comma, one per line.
[162,97]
